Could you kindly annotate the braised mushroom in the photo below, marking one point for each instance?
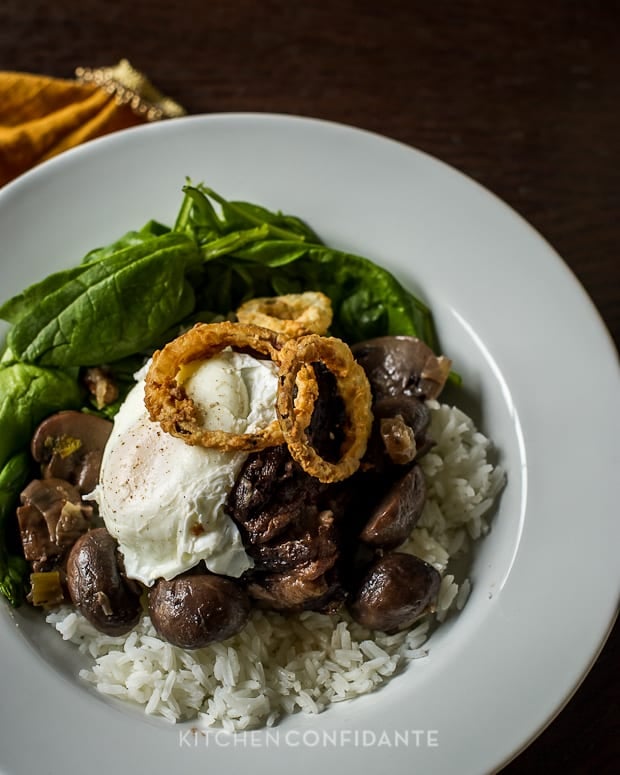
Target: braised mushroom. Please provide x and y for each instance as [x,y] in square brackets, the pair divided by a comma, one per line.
[97,585]
[51,518]
[397,513]
[395,591]
[69,445]
[194,610]
[398,365]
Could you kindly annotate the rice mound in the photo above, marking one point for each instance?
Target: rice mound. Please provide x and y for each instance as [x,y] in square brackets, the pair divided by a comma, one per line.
[281,664]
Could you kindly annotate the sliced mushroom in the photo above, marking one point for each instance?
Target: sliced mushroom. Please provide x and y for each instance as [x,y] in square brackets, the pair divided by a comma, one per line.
[51,518]
[194,610]
[397,513]
[402,364]
[97,586]
[396,590]
[69,445]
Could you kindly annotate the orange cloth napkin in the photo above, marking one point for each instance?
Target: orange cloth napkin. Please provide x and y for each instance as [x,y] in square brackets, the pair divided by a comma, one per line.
[41,116]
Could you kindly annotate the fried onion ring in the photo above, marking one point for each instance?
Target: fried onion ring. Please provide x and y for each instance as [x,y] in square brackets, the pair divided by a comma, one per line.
[168,403]
[293,314]
[298,391]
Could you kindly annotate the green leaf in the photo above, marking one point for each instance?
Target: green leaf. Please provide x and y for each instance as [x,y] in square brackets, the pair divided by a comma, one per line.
[13,476]
[273,253]
[13,575]
[239,216]
[367,299]
[230,243]
[20,306]
[198,213]
[13,568]
[109,308]
[130,239]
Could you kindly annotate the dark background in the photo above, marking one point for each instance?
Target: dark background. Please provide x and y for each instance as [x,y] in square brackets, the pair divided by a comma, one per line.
[524,97]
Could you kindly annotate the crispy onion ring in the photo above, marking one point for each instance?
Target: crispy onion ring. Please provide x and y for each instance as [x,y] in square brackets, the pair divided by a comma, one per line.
[293,314]
[168,403]
[298,391]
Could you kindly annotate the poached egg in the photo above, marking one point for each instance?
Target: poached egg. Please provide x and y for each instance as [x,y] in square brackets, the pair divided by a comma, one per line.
[162,499]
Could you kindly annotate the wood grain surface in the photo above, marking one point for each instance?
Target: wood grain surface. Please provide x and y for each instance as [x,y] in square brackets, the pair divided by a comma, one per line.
[522,96]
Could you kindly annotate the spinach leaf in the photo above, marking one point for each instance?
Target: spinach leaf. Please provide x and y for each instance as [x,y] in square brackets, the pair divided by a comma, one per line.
[198,213]
[107,308]
[13,572]
[150,229]
[229,243]
[367,300]
[13,568]
[254,252]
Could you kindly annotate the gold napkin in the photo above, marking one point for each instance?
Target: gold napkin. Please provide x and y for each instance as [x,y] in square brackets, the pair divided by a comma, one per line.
[42,116]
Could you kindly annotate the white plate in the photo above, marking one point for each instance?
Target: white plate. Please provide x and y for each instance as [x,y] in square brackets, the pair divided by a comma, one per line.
[537,362]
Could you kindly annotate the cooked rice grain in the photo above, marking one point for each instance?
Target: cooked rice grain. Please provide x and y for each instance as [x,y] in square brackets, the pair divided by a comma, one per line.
[279,664]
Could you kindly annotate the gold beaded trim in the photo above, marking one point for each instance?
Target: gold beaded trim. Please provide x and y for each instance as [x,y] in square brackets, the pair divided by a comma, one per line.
[130,87]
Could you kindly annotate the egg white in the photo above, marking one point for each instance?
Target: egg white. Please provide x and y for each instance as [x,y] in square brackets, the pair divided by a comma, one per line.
[162,499]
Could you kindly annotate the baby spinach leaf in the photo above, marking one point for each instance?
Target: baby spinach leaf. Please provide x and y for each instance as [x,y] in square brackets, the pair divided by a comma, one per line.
[150,229]
[238,216]
[13,568]
[229,243]
[367,299]
[107,308]
[244,261]
[23,304]
[198,216]
[13,571]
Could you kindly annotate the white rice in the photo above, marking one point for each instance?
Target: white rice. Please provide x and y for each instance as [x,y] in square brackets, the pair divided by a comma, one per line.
[284,664]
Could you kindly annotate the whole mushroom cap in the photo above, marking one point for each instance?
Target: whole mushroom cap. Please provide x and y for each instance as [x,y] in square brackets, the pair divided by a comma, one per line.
[97,586]
[396,590]
[397,365]
[194,610]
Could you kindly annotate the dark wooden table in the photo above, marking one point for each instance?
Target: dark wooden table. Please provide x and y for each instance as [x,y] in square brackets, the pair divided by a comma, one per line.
[522,96]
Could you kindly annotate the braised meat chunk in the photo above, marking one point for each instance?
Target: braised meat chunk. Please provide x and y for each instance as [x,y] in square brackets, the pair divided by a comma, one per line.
[289,520]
